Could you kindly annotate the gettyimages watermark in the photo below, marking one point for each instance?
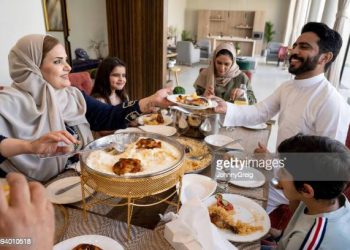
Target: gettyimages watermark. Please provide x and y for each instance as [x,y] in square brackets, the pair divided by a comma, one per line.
[243,169]
[301,166]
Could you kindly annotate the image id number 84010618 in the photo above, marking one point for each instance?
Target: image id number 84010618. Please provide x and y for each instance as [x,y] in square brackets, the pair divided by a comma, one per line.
[15,241]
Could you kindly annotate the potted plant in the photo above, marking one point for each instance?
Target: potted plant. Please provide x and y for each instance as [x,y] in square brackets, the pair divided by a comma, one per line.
[172,34]
[186,36]
[97,46]
[268,35]
[238,48]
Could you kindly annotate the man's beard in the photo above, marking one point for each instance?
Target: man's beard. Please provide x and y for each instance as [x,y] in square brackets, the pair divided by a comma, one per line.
[306,65]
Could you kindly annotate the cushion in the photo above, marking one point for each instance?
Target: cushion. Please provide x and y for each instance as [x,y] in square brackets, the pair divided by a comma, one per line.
[82,81]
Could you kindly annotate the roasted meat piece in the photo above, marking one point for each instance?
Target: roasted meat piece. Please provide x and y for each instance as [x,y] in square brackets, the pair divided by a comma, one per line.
[86,247]
[221,202]
[148,143]
[197,101]
[160,118]
[127,165]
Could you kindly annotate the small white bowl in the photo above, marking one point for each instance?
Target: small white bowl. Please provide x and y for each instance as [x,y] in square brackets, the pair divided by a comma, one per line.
[159,129]
[196,185]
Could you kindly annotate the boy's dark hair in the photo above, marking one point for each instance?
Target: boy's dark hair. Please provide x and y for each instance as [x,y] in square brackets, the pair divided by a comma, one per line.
[330,40]
[319,161]
[101,87]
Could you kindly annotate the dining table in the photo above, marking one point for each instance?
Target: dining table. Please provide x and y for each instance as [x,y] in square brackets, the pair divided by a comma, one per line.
[147,229]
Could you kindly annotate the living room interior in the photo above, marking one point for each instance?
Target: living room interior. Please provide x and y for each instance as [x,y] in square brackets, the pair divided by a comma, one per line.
[168,43]
[202,21]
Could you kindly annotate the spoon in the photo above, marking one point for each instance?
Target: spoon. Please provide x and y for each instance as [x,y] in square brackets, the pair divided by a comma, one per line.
[200,157]
[66,154]
[65,189]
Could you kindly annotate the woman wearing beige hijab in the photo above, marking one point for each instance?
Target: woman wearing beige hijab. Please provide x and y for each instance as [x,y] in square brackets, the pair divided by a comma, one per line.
[223,77]
[41,100]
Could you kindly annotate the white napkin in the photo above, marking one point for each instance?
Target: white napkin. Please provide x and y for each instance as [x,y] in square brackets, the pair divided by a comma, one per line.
[192,229]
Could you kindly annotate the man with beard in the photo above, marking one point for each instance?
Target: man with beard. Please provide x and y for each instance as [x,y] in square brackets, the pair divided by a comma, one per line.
[308,104]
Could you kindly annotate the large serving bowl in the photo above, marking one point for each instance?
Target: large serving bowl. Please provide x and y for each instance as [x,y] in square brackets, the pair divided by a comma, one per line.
[134,186]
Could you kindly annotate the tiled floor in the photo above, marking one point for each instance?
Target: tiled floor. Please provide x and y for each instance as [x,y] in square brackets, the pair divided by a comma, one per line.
[266,78]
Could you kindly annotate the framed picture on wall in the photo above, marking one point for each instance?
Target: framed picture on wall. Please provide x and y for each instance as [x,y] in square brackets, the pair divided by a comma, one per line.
[53,15]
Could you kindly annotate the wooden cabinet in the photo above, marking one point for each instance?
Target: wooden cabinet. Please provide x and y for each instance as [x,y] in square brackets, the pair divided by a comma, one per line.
[233,24]
[203,25]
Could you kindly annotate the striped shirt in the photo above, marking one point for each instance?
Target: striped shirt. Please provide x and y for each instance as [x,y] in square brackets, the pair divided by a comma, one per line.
[320,231]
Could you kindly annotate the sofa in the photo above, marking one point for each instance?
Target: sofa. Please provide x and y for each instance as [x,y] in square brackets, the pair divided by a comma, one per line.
[272,50]
[205,48]
[187,54]
[82,61]
[82,81]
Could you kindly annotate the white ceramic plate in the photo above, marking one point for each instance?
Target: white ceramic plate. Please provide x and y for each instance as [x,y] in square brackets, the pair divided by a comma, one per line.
[196,185]
[250,178]
[246,210]
[141,120]
[218,140]
[159,129]
[131,129]
[70,196]
[257,127]
[101,241]
[211,104]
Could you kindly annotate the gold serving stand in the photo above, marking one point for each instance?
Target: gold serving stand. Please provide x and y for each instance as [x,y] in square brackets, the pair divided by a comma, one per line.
[132,189]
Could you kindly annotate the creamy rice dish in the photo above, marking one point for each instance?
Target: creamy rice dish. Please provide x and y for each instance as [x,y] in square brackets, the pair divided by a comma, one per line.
[152,160]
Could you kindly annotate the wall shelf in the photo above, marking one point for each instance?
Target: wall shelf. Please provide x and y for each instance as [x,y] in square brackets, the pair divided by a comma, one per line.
[243,27]
[217,20]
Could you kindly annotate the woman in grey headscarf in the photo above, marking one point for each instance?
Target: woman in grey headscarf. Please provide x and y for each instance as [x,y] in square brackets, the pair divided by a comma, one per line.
[223,77]
[41,100]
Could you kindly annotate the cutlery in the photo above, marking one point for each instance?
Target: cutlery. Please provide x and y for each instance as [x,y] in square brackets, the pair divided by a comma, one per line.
[66,154]
[65,189]
[200,157]
[186,111]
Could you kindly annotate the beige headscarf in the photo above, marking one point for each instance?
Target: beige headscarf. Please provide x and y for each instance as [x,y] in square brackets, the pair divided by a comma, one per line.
[207,77]
[31,107]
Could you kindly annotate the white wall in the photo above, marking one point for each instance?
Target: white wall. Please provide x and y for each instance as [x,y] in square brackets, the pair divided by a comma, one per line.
[17,18]
[276,11]
[87,21]
[176,15]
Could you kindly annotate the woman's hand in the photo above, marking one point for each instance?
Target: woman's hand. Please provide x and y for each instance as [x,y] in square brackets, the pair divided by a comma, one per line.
[236,93]
[28,214]
[222,106]
[48,144]
[159,99]
[209,91]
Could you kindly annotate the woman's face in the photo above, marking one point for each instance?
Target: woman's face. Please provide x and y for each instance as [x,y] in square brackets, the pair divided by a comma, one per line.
[55,67]
[222,64]
[117,78]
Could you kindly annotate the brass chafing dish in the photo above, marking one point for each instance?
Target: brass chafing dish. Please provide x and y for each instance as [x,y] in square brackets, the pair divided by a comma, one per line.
[132,187]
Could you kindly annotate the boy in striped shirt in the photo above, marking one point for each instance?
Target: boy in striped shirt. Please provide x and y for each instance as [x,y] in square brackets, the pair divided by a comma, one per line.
[316,172]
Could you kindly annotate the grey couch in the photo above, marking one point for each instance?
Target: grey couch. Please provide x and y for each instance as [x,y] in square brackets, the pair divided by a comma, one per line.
[272,51]
[205,47]
[186,53]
